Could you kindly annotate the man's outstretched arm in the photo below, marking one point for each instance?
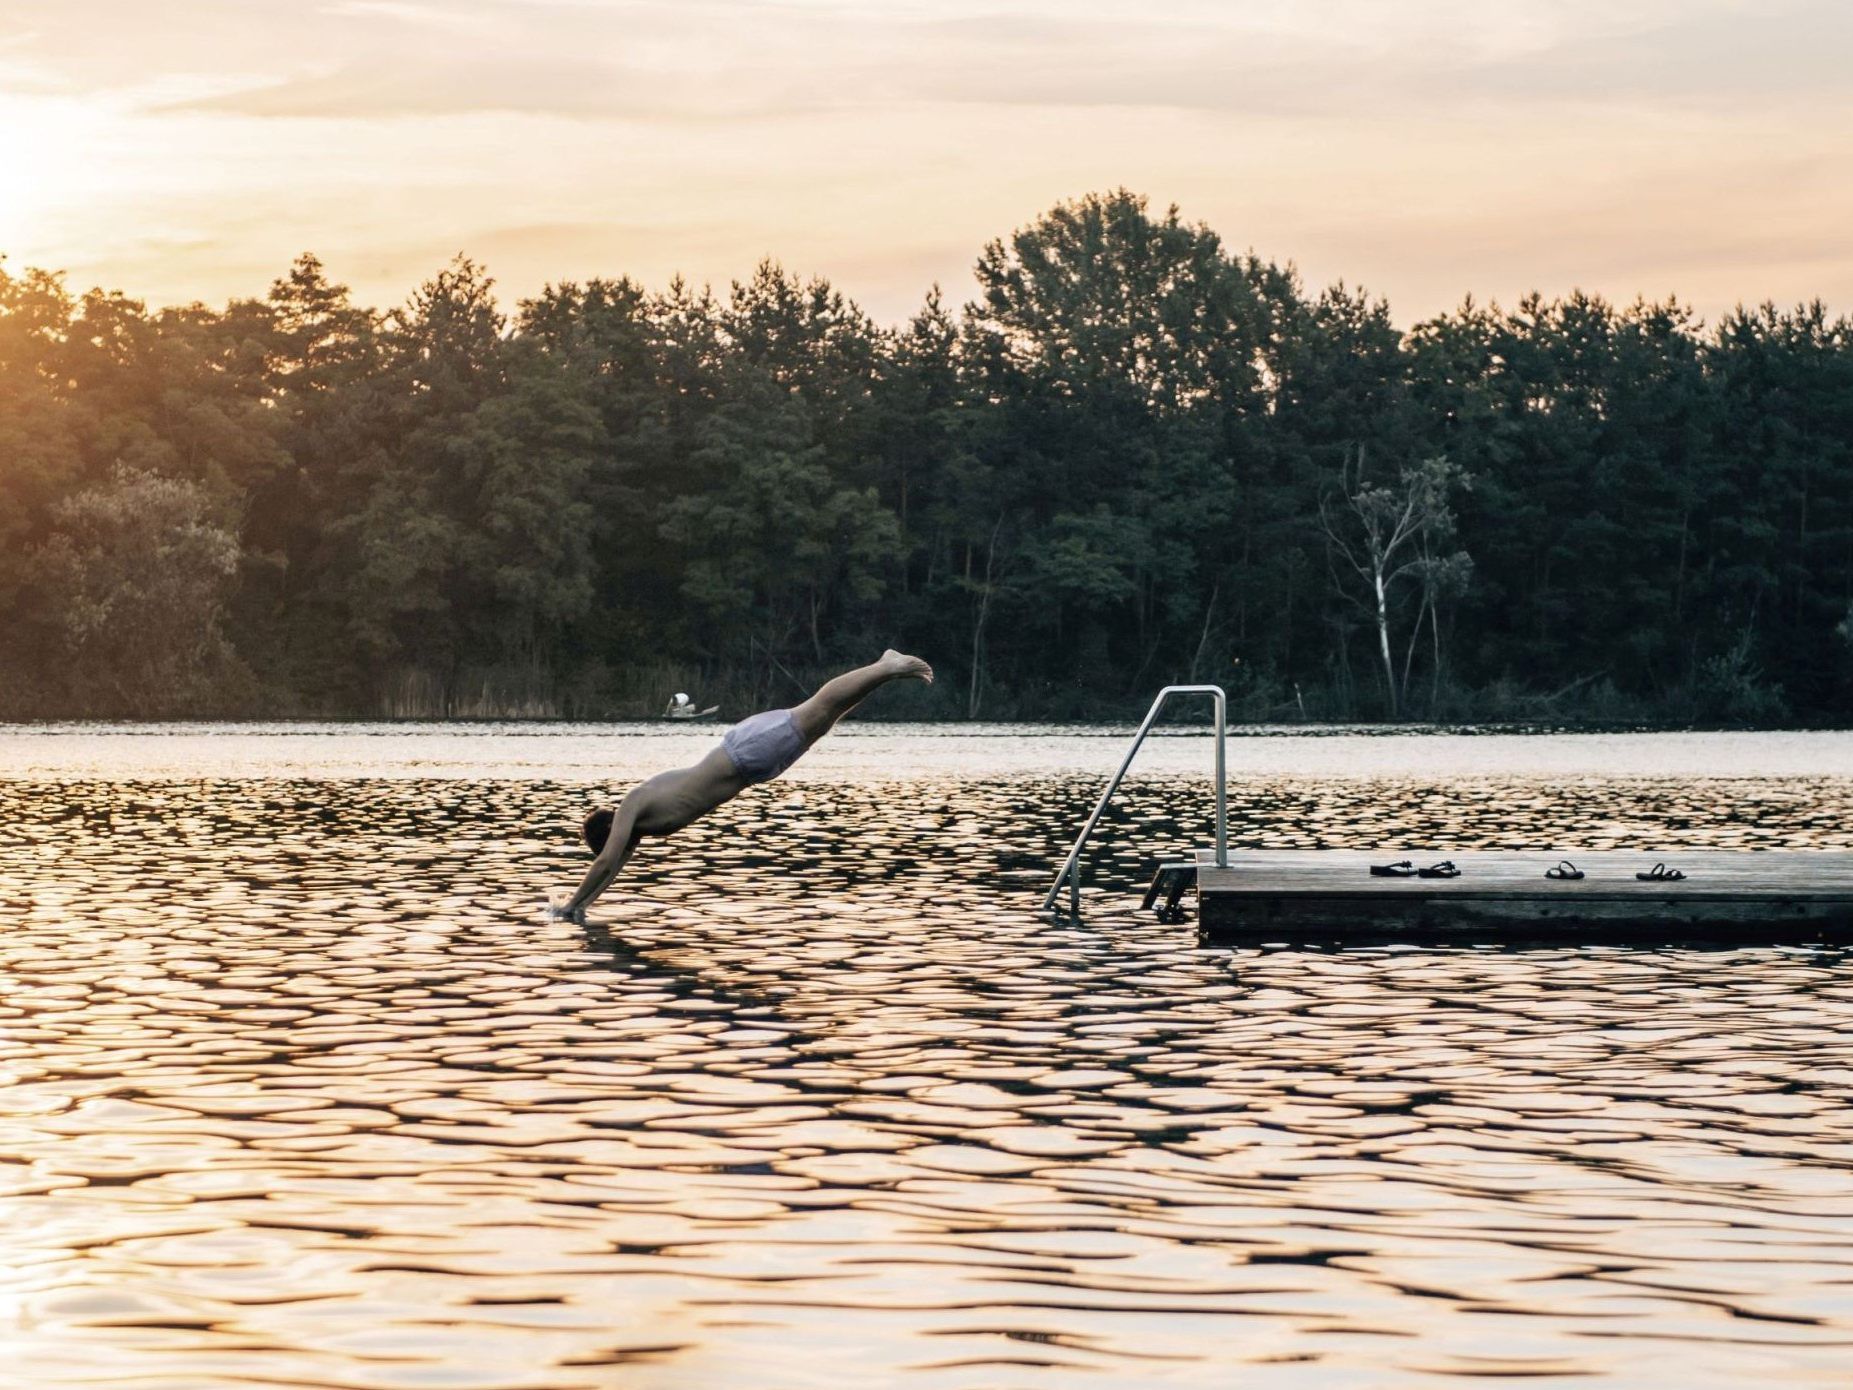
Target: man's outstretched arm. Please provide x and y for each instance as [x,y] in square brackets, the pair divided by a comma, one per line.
[604,868]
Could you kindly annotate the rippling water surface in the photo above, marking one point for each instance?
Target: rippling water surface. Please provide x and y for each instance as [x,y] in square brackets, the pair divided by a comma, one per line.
[301,1090]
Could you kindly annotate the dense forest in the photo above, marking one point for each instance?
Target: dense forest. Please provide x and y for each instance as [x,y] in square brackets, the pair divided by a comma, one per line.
[1132,457]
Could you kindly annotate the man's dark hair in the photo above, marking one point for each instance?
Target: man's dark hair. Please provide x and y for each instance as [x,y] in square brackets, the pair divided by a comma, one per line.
[598,829]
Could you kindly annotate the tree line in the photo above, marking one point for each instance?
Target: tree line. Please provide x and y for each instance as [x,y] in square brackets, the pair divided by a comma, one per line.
[1133,456]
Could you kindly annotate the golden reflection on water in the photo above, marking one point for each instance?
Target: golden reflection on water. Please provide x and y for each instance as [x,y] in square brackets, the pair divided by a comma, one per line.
[304,1092]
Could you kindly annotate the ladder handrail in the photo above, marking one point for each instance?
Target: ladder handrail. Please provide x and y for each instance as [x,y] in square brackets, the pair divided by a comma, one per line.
[1071,866]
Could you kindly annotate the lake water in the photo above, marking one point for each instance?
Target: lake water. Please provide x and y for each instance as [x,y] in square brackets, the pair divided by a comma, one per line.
[301,1089]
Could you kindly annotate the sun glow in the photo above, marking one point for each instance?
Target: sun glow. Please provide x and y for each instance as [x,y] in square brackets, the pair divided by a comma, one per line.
[43,168]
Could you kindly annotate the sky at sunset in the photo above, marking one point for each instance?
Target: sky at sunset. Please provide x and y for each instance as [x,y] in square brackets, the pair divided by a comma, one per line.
[1423,148]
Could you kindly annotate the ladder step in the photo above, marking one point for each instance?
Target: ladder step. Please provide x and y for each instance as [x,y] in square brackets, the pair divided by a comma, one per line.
[1169,883]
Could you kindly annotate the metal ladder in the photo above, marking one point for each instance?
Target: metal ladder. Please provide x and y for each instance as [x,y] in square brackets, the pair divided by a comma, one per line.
[1071,867]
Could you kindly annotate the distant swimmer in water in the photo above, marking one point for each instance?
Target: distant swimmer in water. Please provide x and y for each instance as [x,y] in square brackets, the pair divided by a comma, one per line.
[754,750]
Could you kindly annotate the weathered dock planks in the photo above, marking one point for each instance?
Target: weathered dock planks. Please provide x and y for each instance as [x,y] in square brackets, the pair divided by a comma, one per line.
[1728,897]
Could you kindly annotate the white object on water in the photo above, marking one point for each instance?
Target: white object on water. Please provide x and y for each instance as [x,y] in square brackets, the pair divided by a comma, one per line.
[682,707]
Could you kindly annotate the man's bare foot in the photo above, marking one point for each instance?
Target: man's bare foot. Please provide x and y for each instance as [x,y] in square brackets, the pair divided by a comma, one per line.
[907,667]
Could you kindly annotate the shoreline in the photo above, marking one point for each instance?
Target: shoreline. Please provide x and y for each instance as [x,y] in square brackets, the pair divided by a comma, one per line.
[977,728]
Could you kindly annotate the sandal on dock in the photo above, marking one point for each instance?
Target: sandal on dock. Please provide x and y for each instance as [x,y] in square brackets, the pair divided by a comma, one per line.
[1402,868]
[1564,870]
[1661,874]
[1445,869]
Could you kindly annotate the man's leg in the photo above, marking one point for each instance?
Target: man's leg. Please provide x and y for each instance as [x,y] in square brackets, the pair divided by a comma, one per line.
[839,695]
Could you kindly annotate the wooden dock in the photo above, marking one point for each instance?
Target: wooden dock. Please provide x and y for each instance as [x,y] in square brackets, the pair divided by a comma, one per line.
[1328,897]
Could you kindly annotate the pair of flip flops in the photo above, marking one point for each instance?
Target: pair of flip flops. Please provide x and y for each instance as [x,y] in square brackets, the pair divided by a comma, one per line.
[1402,868]
[1658,874]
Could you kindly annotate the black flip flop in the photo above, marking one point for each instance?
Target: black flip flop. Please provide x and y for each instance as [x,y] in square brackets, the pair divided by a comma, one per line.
[1402,868]
[1445,869]
[1661,874]
[1564,870]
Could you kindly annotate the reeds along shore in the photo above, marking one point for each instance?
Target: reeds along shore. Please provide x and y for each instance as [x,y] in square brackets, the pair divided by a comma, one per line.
[1135,456]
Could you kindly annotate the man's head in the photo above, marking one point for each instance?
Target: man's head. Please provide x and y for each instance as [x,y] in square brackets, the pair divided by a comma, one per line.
[598,829]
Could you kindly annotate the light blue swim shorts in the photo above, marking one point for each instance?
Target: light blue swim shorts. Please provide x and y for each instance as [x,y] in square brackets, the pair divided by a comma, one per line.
[765,745]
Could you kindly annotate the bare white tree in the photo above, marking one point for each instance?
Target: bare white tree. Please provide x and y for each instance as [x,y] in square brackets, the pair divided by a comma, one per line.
[1392,535]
